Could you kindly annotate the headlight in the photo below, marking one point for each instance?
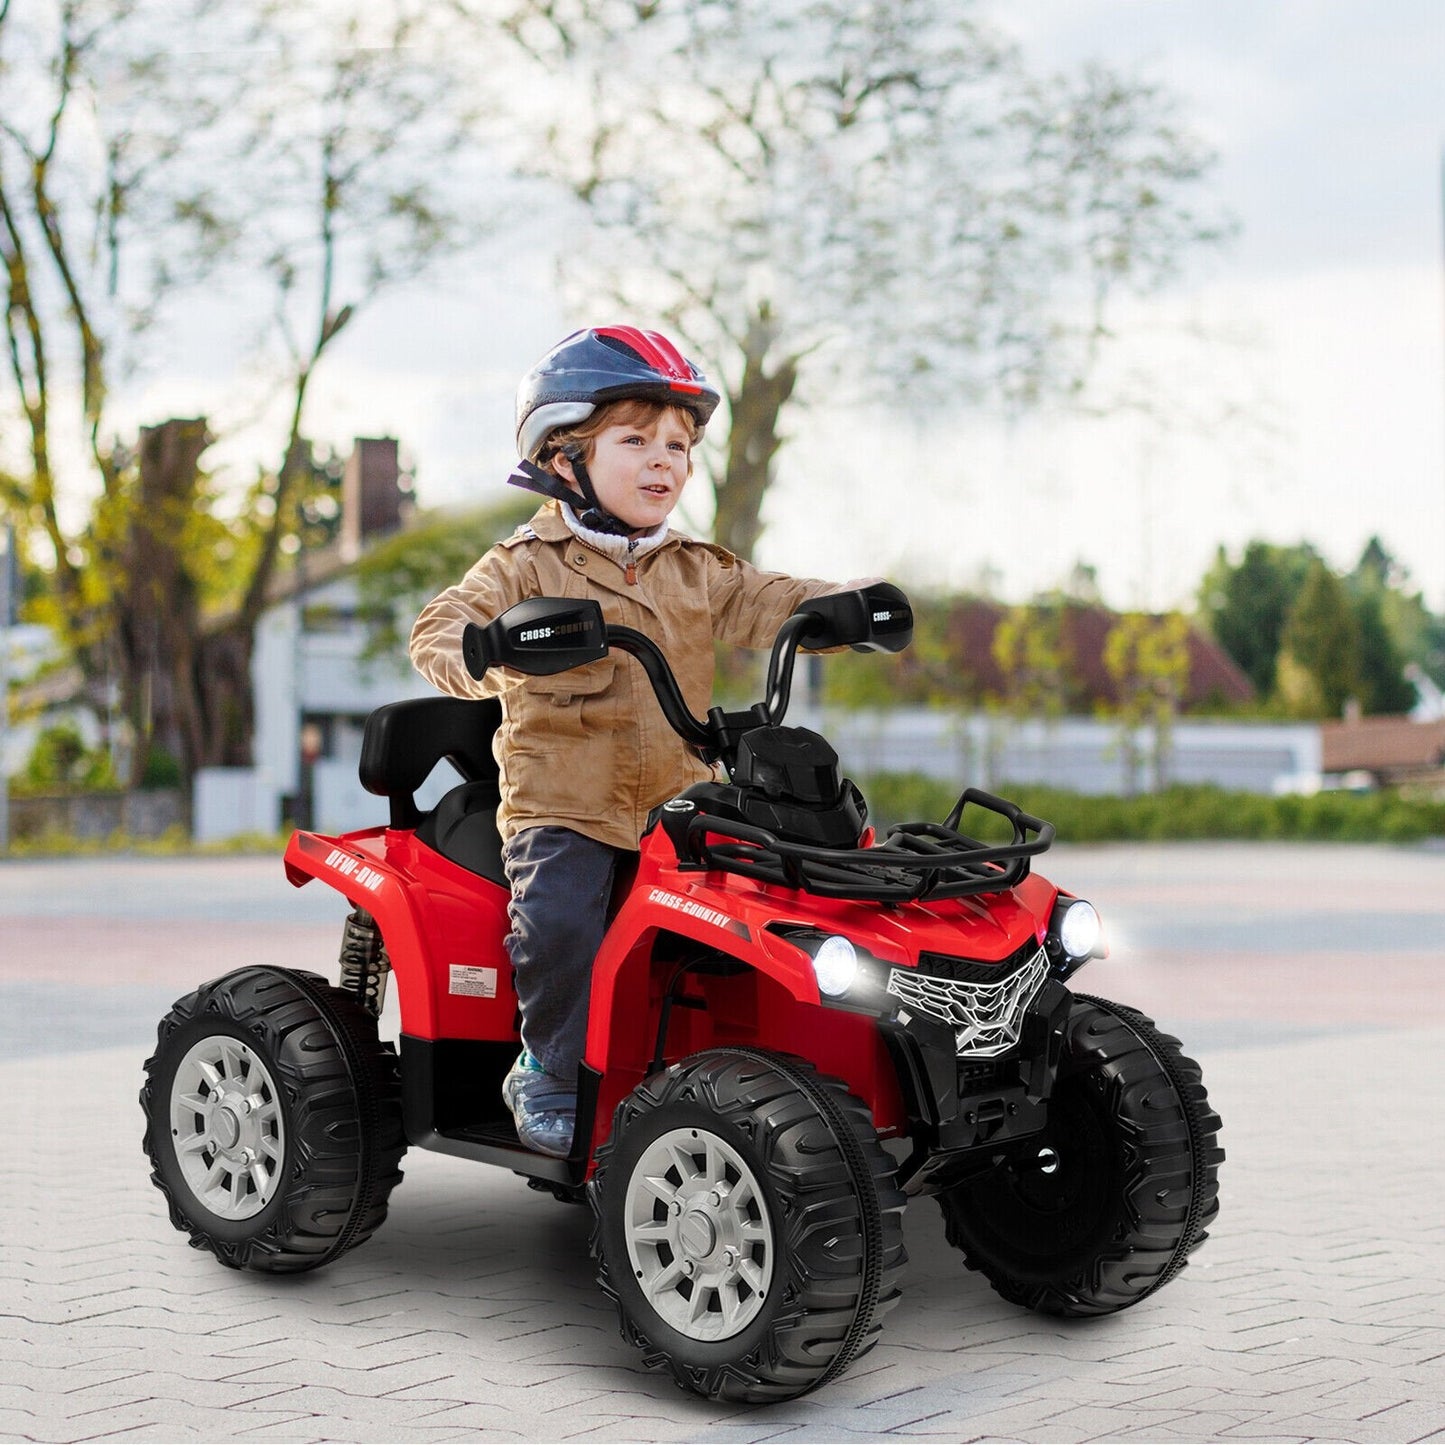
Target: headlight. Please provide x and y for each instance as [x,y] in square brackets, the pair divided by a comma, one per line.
[1077,927]
[835,964]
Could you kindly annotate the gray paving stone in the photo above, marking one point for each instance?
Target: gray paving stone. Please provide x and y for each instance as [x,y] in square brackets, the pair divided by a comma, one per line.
[1312,1313]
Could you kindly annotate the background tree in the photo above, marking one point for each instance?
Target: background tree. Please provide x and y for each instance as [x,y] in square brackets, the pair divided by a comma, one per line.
[840,200]
[1395,628]
[1319,664]
[336,156]
[93,135]
[1246,604]
[401,574]
[1031,648]
[1148,659]
[352,143]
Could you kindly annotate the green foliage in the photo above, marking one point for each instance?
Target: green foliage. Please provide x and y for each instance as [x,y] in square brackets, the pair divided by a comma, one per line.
[1246,604]
[61,762]
[1394,629]
[1311,639]
[930,673]
[398,576]
[162,770]
[173,843]
[1383,688]
[1181,812]
[1032,652]
[1319,668]
[1148,658]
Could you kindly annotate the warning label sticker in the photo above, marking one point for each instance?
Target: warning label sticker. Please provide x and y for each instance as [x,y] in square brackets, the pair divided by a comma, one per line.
[473,982]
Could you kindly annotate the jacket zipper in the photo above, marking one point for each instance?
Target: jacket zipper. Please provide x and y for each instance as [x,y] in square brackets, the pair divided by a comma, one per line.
[629,570]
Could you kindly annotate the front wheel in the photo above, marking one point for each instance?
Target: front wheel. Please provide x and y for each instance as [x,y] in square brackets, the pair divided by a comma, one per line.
[748,1226]
[273,1120]
[1104,1206]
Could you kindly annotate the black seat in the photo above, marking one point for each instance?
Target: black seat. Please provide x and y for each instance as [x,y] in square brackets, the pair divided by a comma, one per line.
[463,827]
[404,741]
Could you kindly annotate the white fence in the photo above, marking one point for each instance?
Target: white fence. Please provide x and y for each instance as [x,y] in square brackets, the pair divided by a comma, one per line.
[1080,754]
[1084,755]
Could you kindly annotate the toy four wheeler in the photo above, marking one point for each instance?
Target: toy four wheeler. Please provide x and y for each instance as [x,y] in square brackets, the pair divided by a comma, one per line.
[794,1027]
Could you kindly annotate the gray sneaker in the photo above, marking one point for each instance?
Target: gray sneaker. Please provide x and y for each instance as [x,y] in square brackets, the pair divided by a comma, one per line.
[544,1107]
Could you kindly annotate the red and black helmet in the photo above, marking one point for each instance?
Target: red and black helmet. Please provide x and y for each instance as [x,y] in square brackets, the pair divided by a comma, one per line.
[606,363]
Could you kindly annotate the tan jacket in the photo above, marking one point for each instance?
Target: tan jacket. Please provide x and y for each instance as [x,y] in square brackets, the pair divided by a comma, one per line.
[589,749]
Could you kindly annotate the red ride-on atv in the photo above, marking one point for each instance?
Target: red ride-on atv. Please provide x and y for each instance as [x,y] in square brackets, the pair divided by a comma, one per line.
[794,1027]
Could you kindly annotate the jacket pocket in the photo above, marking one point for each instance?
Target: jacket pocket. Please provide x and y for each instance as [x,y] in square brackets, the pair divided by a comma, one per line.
[564,704]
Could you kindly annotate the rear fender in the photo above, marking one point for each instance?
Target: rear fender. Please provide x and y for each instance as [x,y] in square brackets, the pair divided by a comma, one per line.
[355,865]
[444,928]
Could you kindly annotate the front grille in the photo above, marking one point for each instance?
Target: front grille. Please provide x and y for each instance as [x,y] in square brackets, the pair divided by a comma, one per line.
[970,970]
[985,1017]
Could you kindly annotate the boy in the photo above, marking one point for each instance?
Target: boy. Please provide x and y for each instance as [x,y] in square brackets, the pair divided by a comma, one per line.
[606,423]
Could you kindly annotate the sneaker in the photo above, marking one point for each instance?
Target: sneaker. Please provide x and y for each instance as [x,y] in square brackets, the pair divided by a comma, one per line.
[544,1107]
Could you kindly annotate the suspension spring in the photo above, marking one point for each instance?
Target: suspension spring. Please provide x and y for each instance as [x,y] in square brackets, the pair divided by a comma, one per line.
[364,964]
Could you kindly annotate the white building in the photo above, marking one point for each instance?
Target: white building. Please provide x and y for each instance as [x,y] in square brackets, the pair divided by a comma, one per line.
[313,688]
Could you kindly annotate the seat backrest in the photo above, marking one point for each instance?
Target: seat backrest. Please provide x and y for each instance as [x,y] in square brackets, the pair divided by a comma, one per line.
[404,741]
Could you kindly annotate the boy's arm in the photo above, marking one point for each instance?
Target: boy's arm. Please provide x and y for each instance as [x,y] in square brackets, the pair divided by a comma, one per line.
[749,605]
[491,587]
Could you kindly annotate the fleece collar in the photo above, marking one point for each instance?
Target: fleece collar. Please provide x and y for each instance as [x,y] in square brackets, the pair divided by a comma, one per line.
[622,550]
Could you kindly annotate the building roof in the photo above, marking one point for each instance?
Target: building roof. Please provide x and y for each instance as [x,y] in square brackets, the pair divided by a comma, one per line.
[1214,677]
[1386,746]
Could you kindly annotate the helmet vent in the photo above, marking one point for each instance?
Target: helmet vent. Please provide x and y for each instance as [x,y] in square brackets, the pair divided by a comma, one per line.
[615,343]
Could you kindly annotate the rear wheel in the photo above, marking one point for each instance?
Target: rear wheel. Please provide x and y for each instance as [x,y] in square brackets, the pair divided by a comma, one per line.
[748,1225]
[1105,1205]
[273,1120]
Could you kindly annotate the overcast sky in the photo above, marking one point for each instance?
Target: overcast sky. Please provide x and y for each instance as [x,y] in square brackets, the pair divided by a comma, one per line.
[1329,118]
[1317,411]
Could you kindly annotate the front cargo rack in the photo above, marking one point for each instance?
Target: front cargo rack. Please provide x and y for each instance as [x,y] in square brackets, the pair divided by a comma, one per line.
[913,861]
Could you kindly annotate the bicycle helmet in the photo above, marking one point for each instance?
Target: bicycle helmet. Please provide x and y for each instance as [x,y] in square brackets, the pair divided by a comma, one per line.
[605,363]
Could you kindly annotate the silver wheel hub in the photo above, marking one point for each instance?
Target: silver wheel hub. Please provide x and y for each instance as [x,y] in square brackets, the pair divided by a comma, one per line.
[227,1127]
[699,1236]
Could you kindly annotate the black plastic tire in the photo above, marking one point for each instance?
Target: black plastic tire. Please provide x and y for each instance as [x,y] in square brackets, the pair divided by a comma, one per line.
[274,1074]
[1105,1206]
[822,1217]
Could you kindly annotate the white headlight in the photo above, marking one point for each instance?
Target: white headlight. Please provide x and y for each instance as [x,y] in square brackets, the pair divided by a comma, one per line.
[1079,930]
[836,965]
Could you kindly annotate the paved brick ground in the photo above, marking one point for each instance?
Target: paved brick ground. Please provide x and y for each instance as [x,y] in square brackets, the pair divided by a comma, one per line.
[1301,978]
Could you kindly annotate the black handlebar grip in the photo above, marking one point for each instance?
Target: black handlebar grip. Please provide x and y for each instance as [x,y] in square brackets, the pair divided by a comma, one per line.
[474,650]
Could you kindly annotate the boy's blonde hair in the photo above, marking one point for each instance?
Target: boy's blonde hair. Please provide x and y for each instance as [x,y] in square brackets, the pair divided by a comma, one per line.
[629,411]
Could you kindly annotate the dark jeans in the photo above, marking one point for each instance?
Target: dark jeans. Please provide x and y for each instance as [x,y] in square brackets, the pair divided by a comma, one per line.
[561,886]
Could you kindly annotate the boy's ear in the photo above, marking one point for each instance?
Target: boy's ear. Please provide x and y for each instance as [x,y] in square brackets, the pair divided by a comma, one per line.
[563,461]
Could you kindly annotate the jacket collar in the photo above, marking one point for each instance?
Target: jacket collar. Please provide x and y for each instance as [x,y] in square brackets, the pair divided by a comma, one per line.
[548,525]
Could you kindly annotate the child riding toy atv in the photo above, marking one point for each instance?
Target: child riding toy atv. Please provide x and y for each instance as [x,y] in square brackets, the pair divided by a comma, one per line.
[795,1026]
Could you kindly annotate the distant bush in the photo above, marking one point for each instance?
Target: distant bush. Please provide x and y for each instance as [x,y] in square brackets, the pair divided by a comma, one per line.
[1192,811]
[61,762]
[173,843]
[161,771]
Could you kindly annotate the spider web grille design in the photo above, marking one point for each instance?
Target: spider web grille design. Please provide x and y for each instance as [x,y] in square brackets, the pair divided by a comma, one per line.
[985,1017]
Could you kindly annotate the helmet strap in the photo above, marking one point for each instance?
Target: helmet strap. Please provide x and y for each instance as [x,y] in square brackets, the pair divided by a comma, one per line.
[592,514]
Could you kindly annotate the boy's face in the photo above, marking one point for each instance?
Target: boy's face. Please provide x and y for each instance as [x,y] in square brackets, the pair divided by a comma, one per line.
[638,468]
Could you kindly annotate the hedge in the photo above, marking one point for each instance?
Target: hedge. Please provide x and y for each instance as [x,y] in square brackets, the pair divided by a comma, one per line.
[1191,811]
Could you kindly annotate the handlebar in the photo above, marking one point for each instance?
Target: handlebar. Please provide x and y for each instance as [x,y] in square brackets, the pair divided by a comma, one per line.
[545,635]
